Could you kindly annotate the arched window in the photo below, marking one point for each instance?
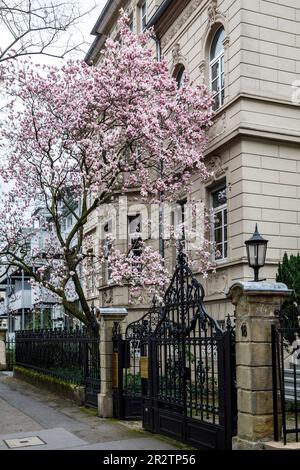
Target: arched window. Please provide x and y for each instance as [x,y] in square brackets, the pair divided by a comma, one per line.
[180,76]
[216,66]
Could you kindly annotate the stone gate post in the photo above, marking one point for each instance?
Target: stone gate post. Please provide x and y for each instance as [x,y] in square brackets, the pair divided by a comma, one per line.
[2,348]
[107,317]
[255,304]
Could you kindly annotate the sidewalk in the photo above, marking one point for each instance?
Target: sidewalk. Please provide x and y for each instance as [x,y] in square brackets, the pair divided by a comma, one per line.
[56,423]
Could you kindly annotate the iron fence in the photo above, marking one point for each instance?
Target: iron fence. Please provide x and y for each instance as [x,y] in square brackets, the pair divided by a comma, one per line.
[60,353]
[286,383]
[10,350]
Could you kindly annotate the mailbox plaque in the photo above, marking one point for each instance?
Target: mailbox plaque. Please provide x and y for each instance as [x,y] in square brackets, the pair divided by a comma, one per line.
[144,367]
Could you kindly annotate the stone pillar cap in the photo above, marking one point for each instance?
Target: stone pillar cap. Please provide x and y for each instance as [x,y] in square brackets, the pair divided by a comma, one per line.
[261,287]
[112,311]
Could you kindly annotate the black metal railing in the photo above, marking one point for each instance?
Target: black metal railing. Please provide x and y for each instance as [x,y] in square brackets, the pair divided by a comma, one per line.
[286,383]
[10,350]
[59,353]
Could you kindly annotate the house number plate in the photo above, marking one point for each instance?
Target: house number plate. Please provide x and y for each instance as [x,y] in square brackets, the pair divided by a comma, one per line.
[144,367]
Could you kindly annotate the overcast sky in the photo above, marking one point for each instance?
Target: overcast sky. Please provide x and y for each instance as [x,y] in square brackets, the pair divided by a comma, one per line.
[84,29]
[89,21]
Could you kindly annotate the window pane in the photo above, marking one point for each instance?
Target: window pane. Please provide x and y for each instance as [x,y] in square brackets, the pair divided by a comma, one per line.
[219,197]
[143,16]
[218,236]
[218,220]
[215,85]
[222,64]
[219,251]
[216,104]
[222,80]
[180,77]
[225,217]
[215,70]
[217,44]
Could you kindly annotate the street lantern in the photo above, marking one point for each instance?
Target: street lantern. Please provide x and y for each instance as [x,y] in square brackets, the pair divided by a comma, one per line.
[256,252]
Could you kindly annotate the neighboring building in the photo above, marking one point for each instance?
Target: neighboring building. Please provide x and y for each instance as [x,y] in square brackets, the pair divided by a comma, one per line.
[248,53]
[26,306]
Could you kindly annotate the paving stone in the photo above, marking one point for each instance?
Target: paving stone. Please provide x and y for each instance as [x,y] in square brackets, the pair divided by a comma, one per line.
[27,411]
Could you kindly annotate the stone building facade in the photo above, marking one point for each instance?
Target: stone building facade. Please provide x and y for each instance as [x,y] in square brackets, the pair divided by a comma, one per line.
[248,53]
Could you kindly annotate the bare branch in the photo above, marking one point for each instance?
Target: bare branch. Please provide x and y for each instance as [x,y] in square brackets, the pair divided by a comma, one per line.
[40,27]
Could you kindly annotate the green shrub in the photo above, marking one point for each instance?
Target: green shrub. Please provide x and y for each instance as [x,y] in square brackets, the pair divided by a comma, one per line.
[289,274]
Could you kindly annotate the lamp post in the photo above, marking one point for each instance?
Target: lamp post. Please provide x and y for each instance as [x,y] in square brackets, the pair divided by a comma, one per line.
[256,252]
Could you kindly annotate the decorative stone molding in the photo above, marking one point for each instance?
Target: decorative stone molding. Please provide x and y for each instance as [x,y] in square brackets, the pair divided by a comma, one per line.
[180,21]
[138,299]
[178,58]
[214,16]
[217,283]
[202,68]
[212,11]
[130,9]
[219,126]
[215,166]
[226,42]
[176,53]
[108,296]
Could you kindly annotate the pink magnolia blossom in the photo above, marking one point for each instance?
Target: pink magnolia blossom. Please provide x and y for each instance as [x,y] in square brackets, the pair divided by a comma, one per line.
[78,130]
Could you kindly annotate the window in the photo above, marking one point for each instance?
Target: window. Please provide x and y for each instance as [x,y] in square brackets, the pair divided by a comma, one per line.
[134,233]
[90,279]
[143,16]
[219,203]
[180,77]
[217,80]
[179,219]
[69,221]
[107,228]
[130,23]
[179,227]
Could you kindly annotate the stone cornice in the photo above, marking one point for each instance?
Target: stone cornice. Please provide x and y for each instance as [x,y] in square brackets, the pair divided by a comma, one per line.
[171,16]
[226,134]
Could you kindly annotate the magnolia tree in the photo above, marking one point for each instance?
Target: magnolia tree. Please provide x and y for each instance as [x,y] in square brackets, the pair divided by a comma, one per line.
[81,133]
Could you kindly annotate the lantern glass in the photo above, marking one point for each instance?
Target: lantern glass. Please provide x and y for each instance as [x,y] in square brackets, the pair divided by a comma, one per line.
[256,254]
[251,255]
[256,251]
[261,255]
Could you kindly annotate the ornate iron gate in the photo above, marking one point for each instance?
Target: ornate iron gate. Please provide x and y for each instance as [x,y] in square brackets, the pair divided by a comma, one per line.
[130,364]
[191,392]
[177,367]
